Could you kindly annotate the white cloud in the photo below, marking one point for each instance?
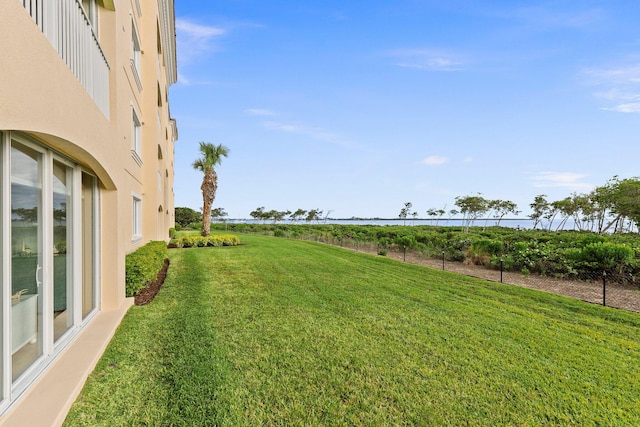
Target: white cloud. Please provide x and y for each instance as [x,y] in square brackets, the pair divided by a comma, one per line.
[195,40]
[545,18]
[318,134]
[570,180]
[631,107]
[434,160]
[468,159]
[182,79]
[621,87]
[426,59]
[260,112]
[619,75]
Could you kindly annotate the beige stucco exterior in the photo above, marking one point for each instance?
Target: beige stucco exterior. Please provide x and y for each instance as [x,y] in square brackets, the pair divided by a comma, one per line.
[42,99]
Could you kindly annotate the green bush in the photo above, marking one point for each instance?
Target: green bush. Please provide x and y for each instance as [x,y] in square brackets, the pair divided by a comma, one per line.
[602,256]
[142,266]
[172,233]
[481,251]
[214,240]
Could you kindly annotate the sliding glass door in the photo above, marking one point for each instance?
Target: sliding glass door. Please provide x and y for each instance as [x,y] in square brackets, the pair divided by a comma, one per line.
[48,215]
[27,257]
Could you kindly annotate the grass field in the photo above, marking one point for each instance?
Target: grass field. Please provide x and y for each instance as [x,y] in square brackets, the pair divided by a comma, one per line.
[282,332]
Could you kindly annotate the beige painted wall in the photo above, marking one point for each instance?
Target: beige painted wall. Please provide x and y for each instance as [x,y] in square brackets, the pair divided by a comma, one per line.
[40,96]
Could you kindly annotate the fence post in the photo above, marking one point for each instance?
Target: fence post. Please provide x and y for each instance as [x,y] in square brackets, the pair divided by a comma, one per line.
[404,253]
[604,288]
[501,269]
[443,260]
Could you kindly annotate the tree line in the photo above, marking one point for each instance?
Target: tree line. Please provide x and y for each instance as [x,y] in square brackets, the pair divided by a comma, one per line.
[612,207]
[261,214]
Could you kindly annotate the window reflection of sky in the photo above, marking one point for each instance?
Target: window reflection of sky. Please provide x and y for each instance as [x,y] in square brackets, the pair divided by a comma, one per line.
[24,167]
[26,186]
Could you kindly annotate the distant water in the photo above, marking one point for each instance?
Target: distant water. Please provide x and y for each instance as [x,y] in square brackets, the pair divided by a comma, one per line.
[519,223]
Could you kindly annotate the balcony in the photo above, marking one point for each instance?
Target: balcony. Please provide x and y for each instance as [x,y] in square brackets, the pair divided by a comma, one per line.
[71,33]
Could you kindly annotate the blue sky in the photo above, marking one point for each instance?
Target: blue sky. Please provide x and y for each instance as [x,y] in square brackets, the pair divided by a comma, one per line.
[357,107]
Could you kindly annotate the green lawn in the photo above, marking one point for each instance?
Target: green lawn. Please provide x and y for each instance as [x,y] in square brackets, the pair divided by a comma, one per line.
[283,332]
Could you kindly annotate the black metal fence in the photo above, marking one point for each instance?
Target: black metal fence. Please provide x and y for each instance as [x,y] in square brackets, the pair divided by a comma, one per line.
[613,290]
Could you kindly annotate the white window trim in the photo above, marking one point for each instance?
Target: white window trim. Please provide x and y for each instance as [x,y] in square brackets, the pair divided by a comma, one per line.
[136,136]
[136,54]
[136,218]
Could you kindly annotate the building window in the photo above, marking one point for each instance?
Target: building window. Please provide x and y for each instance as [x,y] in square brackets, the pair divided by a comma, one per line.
[136,233]
[136,137]
[136,55]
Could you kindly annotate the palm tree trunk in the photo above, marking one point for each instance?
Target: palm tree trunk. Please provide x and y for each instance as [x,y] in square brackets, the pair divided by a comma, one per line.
[208,187]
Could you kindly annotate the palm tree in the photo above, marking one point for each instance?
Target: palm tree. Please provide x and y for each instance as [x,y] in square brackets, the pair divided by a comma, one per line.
[211,156]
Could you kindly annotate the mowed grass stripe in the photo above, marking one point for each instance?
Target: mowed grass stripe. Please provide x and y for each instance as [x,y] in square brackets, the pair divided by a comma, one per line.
[297,333]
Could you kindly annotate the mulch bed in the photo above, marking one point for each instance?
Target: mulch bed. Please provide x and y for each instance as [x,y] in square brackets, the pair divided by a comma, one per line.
[146,295]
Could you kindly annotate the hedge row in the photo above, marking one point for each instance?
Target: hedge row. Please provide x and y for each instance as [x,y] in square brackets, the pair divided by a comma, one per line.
[143,265]
[216,240]
[560,253]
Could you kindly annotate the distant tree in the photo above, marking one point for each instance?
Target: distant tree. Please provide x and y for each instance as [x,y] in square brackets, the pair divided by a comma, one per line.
[501,208]
[276,215]
[299,213]
[436,214]
[313,215]
[404,212]
[540,208]
[219,213]
[186,216]
[211,157]
[567,209]
[623,197]
[472,208]
[259,214]
[326,216]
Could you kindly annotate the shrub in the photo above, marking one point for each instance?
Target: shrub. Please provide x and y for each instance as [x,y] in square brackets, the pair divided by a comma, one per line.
[481,251]
[172,233]
[185,216]
[602,256]
[214,240]
[142,266]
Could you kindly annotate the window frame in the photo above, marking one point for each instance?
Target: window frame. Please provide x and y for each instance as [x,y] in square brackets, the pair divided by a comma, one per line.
[136,217]
[136,136]
[136,54]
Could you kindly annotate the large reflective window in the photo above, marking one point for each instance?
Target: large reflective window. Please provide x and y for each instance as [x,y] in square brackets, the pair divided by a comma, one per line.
[26,257]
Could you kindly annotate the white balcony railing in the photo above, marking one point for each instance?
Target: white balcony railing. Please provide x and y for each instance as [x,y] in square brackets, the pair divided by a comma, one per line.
[69,30]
